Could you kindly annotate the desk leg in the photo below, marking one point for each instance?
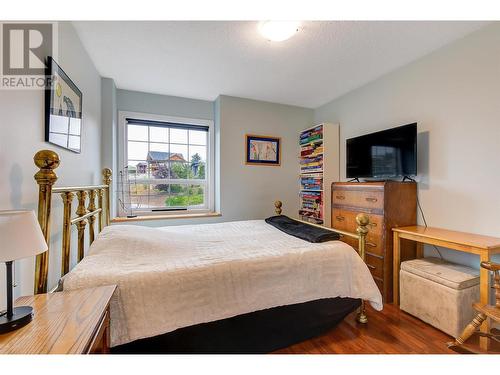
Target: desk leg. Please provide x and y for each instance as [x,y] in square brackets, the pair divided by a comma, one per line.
[396,255]
[420,250]
[484,285]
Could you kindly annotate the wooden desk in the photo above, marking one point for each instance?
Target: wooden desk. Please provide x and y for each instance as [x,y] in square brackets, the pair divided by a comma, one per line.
[73,322]
[484,246]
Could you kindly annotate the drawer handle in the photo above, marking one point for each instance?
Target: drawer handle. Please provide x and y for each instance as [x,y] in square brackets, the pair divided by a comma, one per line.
[340,197]
[373,224]
[373,200]
[371,244]
[370,266]
[340,218]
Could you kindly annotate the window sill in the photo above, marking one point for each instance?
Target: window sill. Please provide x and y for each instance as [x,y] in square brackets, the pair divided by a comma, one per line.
[164,217]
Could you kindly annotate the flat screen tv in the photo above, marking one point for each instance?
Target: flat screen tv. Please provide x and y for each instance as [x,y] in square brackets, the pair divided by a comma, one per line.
[384,154]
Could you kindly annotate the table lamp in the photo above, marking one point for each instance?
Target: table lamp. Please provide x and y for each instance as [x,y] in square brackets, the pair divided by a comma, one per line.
[20,237]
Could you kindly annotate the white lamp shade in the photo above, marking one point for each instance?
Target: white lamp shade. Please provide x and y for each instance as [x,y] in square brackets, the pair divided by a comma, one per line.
[20,235]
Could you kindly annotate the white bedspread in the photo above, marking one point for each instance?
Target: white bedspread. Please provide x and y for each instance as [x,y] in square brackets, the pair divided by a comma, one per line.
[175,277]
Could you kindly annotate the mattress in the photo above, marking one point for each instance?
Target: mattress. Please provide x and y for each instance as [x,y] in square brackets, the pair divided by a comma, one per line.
[179,276]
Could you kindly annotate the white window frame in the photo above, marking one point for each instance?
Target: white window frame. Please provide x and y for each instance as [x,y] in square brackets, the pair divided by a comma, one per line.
[122,161]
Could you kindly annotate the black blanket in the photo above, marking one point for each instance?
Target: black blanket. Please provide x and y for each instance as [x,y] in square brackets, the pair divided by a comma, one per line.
[301,230]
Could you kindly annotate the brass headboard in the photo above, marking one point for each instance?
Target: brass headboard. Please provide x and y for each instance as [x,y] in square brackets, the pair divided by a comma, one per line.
[47,161]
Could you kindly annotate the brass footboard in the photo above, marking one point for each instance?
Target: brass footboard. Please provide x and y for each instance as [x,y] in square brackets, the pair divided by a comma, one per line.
[361,231]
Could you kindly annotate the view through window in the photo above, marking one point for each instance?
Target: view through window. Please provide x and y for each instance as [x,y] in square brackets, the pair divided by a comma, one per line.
[166,167]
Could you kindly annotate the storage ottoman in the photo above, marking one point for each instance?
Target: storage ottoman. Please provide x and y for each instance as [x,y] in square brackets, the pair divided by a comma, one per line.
[439,293]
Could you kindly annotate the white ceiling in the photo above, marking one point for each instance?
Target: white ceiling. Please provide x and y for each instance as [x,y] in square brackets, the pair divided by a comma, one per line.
[203,59]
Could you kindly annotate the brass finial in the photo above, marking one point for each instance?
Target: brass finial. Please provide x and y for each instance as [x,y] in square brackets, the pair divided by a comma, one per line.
[278,205]
[363,220]
[46,159]
[106,174]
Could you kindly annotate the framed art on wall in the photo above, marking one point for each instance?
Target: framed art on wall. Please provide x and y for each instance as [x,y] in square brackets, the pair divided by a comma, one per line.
[263,150]
[63,110]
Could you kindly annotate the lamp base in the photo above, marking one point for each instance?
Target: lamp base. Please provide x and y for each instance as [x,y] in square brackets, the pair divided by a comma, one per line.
[22,316]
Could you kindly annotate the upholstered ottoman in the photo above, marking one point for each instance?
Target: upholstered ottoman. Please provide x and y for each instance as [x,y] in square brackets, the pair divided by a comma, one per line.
[439,293]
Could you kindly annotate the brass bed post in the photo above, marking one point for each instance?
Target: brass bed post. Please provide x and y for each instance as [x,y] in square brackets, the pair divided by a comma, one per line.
[46,161]
[80,225]
[67,198]
[362,220]
[99,204]
[106,177]
[91,219]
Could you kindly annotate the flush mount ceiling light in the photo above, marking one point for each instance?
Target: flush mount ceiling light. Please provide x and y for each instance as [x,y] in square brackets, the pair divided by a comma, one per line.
[278,31]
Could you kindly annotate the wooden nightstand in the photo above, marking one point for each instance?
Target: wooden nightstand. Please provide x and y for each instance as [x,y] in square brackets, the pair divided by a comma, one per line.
[73,322]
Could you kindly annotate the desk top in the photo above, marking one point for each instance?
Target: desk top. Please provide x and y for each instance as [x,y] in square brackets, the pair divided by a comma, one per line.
[462,238]
[63,322]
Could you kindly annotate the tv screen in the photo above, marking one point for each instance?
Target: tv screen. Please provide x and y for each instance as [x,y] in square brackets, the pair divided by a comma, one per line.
[384,154]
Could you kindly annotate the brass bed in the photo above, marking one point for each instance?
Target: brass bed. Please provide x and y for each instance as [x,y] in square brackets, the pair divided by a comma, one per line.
[88,211]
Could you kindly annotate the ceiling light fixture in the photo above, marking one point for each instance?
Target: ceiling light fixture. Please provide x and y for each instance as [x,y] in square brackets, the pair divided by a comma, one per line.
[278,31]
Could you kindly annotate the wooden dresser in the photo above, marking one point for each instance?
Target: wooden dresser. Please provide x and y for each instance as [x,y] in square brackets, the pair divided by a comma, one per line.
[389,204]
[73,322]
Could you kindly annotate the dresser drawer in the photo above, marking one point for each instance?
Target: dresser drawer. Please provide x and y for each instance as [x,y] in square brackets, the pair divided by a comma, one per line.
[350,241]
[367,199]
[370,247]
[346,220]
[375,265]
[374,262]
[374,245]
[341,220]
[380,284]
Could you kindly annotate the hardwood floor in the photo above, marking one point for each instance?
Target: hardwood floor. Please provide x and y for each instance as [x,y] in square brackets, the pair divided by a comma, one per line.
[390,331]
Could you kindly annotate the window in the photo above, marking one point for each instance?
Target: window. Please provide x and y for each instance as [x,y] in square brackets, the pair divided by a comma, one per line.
[167,165]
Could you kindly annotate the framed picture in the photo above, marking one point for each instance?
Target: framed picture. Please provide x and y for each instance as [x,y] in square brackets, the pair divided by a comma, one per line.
[63,110]
[263,150]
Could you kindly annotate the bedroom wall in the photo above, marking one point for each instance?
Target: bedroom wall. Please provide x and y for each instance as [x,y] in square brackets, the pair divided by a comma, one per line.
[22,125]
[135,101]
[109,120]
[248,191]
[454,96]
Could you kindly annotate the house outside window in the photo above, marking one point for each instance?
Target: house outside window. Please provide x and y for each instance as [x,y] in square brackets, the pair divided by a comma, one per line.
[166,165]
